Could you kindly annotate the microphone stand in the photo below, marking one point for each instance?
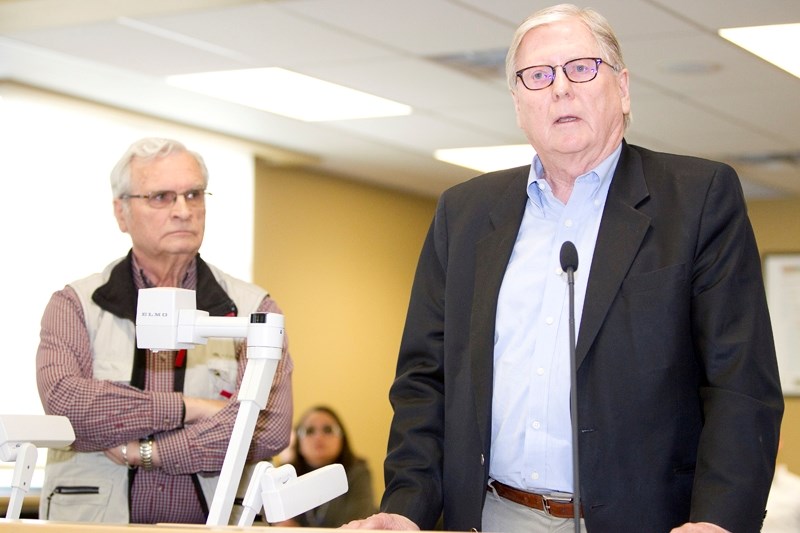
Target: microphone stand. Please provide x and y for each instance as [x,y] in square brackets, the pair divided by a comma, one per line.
[569,263]
[573,403]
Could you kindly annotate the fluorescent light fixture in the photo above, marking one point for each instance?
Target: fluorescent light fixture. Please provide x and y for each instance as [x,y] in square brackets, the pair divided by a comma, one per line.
[777,44]
[290,94]
[487,158]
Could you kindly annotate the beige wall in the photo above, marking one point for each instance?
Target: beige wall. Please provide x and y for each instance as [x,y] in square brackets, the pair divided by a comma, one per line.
[777,227]
[339,258]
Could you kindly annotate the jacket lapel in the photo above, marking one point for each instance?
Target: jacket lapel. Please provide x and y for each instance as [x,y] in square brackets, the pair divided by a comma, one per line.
[492,253]
[621,233]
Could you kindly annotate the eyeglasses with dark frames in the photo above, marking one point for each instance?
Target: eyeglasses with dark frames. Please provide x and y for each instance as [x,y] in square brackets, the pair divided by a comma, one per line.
[162,199]
[578,70]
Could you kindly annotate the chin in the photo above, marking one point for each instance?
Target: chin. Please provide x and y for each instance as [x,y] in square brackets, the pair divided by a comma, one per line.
[573,145]
[183,244]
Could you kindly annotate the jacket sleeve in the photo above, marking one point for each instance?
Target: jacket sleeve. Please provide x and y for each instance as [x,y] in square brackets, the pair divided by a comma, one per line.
[741,397]
[413,466]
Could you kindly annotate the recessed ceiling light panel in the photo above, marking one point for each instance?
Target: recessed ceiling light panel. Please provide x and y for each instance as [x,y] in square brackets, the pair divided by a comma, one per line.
[777,44]
[290,94]
[487,158]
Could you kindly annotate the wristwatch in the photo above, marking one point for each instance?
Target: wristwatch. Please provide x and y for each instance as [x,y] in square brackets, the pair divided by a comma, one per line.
[146,453]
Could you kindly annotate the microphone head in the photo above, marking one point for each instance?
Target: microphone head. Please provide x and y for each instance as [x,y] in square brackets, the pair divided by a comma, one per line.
[569,257]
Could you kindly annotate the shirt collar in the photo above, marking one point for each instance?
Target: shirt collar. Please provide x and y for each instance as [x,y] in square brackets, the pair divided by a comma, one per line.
[538,186]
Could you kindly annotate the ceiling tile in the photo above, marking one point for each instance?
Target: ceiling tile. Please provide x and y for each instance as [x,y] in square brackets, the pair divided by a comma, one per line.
[423,27]
[270,36]
[113,44]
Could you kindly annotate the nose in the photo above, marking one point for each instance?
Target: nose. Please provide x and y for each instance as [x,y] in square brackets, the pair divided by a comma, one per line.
[561,84]
[180,208]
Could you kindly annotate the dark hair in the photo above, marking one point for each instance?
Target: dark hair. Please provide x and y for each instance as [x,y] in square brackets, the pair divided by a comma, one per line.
[346,456]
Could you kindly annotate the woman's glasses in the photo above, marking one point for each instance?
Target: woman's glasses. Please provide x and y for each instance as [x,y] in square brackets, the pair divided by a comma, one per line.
[310,431]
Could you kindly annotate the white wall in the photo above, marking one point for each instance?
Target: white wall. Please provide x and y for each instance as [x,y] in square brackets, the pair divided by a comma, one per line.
[56,217]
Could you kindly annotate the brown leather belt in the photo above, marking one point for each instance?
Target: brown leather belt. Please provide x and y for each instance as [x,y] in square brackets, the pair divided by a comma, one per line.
[554,507]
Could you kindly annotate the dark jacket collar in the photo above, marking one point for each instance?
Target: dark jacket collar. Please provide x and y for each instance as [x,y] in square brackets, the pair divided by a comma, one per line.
[119,294]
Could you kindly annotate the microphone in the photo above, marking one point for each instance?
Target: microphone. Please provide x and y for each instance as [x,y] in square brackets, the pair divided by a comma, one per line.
[569,264]
[569,258]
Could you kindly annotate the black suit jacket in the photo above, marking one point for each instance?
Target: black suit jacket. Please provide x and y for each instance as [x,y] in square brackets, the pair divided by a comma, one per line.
[679,401]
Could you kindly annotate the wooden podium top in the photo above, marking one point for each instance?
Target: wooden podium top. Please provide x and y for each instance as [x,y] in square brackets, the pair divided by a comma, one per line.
[44,526]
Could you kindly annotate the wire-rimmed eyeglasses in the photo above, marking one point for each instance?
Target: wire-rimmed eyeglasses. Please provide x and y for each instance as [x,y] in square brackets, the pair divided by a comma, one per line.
[578,70]
[162,199]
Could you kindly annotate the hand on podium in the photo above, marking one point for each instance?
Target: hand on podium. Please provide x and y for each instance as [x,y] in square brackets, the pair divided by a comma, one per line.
[388,521]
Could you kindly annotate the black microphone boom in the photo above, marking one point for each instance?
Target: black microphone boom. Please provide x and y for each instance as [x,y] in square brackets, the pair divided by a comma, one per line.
[569,264]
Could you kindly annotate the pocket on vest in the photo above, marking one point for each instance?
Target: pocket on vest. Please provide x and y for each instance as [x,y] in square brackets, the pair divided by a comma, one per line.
[85,500]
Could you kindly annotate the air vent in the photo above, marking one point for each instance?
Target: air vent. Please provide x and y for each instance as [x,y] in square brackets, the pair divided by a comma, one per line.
[483,64]
[769,159]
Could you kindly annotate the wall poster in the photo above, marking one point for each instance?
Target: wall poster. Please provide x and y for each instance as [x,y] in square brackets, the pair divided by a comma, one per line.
[782,280]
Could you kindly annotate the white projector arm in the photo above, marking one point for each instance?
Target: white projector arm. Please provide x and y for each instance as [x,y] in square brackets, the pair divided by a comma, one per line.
[168,319]
[20,435]
[283,495]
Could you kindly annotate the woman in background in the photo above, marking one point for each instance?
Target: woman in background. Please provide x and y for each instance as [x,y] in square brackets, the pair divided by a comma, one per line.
[320,440]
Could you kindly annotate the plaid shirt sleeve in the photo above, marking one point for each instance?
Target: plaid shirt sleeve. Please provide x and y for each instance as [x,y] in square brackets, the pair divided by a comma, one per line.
[201,446]
[103,414]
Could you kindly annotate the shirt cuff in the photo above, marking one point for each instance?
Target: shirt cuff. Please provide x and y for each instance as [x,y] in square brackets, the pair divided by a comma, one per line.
[168,411]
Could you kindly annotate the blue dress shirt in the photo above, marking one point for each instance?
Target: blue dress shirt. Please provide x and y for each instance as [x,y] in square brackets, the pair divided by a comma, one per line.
[531,422]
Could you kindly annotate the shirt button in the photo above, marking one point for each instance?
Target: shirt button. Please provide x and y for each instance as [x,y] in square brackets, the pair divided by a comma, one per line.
[549,321]
[535,475]
[536,424]
[568,223]
[540,371]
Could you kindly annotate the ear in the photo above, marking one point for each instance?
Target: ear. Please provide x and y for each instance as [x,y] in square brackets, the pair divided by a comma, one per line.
[624,91]
[120,215]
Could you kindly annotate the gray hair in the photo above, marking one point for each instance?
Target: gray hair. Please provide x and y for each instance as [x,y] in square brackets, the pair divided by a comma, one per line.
[594,21]
[147,149]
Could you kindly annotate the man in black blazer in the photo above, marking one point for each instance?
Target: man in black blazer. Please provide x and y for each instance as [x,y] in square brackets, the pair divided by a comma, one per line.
[678,397]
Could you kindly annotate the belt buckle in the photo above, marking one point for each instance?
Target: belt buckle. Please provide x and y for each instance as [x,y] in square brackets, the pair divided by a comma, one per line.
[558,498]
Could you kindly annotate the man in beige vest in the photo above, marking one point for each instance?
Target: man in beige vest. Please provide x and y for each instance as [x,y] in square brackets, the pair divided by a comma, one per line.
[152,428]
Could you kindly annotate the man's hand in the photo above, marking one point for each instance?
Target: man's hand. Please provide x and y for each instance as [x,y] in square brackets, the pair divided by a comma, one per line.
[699,527]
[200,408]
[395,522]
[115,454]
